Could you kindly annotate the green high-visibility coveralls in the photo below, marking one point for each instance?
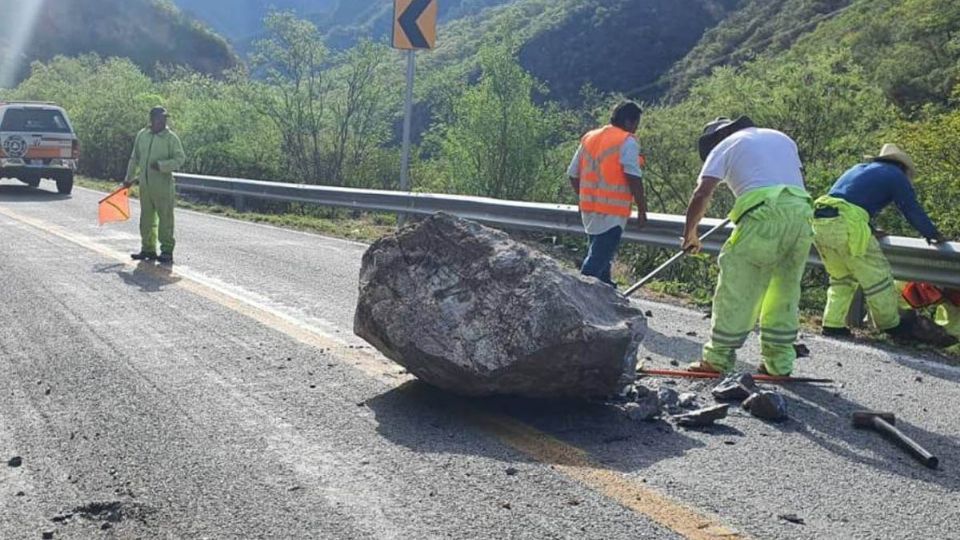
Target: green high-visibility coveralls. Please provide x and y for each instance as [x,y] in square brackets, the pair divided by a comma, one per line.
[157,196]
[853,258]
[761,268]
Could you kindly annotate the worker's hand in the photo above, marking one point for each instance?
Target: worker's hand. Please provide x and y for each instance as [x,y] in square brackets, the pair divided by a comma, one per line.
[155,165]
[937,241]
[691,243]
[128,184]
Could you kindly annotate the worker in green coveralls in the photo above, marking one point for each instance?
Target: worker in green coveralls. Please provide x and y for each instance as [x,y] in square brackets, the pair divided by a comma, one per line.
[157,153]
[852,254]
[762,263]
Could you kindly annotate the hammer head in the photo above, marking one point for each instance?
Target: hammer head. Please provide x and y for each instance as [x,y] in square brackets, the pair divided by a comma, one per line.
[864,419]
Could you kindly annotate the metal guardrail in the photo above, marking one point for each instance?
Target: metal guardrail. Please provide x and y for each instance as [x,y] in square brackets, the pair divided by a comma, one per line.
[912,259]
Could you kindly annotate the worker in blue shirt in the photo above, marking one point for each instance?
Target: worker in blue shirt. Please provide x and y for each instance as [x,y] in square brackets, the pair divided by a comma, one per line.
[851,253]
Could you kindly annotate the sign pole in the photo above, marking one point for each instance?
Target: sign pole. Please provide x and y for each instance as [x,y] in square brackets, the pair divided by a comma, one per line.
[407,121]
[407,128]
[414,27]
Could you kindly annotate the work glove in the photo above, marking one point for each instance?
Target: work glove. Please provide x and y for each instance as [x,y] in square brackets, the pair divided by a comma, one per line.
[127,183]
[155,165]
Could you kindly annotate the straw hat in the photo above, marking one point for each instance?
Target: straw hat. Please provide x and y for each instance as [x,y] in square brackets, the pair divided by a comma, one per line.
[892,152]
[715,132]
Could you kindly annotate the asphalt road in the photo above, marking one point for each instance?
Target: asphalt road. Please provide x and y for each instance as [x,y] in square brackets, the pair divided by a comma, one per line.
[229,399]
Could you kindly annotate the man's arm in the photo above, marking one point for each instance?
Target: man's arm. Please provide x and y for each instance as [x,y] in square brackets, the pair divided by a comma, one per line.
[639,196]
[697,208]
[134,162]
[906,201]
[631,161]
[168,166]
[573,171]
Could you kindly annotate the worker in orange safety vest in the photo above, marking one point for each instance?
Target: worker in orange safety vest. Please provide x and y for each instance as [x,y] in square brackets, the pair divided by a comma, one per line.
[606,174]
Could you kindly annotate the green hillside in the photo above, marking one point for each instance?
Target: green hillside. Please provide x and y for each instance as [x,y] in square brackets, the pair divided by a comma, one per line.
[909,48]
[146,31]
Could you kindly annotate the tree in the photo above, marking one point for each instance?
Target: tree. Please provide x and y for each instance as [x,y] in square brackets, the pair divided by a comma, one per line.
[498,142]
[360,110]
[294,90]
[107,100]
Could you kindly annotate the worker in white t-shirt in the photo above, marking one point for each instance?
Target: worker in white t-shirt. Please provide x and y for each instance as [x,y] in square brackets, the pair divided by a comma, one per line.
[762,264]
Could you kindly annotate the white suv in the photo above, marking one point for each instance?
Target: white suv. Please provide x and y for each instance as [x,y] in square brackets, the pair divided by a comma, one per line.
[37,141]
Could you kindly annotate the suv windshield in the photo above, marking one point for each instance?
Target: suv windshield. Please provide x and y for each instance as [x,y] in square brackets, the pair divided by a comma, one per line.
[35,120]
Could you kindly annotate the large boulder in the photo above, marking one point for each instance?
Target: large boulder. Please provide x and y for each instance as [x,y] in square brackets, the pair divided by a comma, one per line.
[469,310]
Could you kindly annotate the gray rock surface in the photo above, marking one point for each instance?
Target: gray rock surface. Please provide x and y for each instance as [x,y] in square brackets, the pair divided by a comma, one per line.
[767,405]
[702,417]
[469,310]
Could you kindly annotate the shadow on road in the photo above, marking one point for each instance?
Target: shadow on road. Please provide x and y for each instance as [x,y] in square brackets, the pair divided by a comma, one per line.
[829,425]
[147,276]
[681,349]
[22,193]
[427,420]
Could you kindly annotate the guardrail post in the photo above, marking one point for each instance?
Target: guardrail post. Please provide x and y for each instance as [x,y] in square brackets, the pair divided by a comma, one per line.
[240,203]
[858,310]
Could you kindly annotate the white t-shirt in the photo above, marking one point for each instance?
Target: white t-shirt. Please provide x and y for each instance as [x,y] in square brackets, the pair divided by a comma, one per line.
[755,158]
[593,223]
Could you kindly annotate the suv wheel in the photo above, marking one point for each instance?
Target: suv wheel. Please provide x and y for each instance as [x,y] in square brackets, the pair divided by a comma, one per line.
[65,183]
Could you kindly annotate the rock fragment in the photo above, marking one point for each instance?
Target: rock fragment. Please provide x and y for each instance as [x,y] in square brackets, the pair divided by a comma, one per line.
[736,387]
[15,461]
[646,407]
[702,417]
[767,405]
[792,518]
[688,400]
[668,399]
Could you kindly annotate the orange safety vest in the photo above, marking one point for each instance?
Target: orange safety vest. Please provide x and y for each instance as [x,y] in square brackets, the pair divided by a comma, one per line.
[604,188]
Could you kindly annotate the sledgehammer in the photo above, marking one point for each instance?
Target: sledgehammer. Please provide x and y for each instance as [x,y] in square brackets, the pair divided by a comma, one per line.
[883,422]
[643,282]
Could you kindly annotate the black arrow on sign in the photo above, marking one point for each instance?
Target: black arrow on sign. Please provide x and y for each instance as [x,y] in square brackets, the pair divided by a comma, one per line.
[408,22]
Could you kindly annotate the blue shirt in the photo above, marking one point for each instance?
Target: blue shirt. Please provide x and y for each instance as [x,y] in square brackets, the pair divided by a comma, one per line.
[874,186]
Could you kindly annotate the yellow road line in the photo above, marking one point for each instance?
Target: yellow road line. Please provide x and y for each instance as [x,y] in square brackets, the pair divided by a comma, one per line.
[567,459]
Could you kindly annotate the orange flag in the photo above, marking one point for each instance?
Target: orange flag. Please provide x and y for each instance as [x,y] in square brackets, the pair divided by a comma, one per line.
[115,206]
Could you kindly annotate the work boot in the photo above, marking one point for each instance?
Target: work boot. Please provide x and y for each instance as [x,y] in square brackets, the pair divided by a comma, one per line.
[143,256]
[928,332]
[703,367]
[902,333]
[835,332]
[763,371]
[165,258]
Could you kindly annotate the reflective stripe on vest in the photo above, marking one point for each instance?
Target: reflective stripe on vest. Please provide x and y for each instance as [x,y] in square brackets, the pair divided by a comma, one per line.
[604,188]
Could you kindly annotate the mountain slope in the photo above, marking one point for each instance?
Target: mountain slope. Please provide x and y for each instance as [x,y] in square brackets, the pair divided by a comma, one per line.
[909,48]
[756,27]
[240,19]
[147,32]
[612,45]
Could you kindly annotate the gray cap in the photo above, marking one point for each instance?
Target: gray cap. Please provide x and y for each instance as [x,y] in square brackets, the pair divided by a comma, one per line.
[158,111]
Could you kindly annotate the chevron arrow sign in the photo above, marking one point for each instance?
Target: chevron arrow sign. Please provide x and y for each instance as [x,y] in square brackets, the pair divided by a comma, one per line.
[415,24]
